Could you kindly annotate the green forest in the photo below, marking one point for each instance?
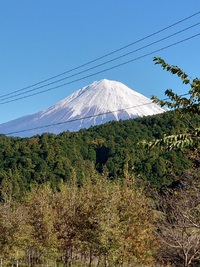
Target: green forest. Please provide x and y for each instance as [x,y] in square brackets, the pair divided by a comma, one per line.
[113,149]
[125,193]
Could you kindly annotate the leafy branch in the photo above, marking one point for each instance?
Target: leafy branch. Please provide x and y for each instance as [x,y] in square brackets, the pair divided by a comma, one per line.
[177,141]
[181,104]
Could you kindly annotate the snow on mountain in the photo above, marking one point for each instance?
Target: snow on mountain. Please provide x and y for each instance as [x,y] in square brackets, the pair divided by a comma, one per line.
[95,104]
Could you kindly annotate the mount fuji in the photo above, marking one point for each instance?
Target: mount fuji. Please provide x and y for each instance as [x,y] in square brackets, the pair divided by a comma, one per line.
[95,104]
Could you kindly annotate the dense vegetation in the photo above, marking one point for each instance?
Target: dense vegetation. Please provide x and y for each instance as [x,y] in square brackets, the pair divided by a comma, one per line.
[112,149]
[101,223]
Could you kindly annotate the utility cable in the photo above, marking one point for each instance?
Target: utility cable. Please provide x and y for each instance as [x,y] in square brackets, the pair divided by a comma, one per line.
[102,71]
[99,65]
[106,55]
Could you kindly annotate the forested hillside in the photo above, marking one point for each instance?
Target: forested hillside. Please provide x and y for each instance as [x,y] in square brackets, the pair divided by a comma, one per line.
[113,149]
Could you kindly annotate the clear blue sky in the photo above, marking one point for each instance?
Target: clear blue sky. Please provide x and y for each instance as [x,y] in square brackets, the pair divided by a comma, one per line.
[43,38]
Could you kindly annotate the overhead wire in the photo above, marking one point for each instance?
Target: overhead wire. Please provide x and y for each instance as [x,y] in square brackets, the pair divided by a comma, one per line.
[102,71]
[99,65]
[104,56]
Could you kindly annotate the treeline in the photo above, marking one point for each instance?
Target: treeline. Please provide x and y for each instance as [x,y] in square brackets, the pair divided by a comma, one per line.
[112,149]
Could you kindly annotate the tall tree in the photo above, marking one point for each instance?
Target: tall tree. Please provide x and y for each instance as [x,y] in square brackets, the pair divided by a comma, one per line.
[41,219]
[15,233]
[179,225]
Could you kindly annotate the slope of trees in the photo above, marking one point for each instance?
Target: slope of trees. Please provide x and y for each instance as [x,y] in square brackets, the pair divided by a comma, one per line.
[111,149]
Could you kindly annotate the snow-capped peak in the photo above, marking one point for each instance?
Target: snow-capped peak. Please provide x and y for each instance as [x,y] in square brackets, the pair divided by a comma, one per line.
[97,103]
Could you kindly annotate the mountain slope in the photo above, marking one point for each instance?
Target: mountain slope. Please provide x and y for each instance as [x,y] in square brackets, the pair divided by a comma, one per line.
[95,104]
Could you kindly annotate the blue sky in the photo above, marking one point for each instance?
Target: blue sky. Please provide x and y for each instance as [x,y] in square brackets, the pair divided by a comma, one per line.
[43,38]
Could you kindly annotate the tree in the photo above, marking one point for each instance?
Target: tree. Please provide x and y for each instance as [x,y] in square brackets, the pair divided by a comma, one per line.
[182,104]
[105,223]
[137,226]
[179,224]
[15,233]
[65,206]
[41,219]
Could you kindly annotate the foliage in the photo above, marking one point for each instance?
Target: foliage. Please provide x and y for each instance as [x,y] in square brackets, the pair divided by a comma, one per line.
[190,104]
[110,149]
[14,230]
[182,104]
[179,223]
[109,223]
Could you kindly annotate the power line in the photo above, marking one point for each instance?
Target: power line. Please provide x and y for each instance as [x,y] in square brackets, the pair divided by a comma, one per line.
[106,55]
[86,117]
[99,65]
[101,71]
